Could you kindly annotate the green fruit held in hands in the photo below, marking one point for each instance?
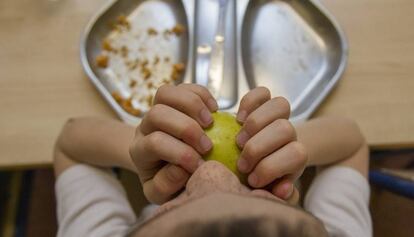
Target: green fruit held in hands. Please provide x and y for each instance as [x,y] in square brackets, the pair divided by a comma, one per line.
[223,135]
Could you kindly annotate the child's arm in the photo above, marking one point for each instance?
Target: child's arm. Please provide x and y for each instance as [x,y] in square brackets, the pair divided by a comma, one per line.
[334,141]
[338,196]
[94,141]
[90,201]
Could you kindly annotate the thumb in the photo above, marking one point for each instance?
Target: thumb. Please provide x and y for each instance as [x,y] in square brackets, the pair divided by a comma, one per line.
[166,182]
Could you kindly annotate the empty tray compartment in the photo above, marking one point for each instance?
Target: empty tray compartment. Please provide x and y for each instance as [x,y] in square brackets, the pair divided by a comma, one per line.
[295,49]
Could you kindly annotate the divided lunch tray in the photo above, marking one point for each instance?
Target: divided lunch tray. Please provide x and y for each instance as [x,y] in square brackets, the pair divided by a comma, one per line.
[293,47]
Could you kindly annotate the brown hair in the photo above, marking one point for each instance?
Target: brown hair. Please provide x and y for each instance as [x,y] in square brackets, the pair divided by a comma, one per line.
[246,227]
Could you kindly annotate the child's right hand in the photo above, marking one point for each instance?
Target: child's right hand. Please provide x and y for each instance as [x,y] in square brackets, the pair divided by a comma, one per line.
[167,151]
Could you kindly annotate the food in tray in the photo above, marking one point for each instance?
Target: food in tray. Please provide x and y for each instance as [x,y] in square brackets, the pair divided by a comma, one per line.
[126,104]
[178,29]
[137,60]
[102,60]
[152,31]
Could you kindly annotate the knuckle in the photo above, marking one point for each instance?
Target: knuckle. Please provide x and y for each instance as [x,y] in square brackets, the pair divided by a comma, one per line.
[185,156]
[300,152]
[251,151]
[186,86]
[153,140]
[161,93]
[195,101]
[151,114]
[190,131]
[194,87]
[265,91]
[263,171]
[283,104]
[183,85]
[155,114]
[247,100]
[203,90]
[257,95]
[155,110]
[286,128]
[162,89]
[252,125]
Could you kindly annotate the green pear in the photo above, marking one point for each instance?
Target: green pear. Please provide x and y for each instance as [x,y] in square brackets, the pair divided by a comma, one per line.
[223,134]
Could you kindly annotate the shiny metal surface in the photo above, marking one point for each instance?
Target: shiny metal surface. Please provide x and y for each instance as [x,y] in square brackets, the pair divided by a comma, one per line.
[217,53]
[216,67]
[294,47]
[157,14]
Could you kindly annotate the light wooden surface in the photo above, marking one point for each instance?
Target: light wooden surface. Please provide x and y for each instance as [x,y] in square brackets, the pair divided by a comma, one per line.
[42,82]
[41,79]
[377,89]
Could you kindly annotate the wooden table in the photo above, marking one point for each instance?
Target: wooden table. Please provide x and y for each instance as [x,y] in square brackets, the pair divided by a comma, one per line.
[42,83]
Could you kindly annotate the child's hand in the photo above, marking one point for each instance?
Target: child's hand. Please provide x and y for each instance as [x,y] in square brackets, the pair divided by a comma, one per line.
[170,140]
[270,153]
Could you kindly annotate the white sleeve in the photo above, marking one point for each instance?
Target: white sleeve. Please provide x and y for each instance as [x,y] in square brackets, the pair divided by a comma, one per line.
[339,197]
[91,202]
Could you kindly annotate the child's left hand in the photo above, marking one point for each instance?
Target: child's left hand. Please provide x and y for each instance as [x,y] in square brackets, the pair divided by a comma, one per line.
[270,153]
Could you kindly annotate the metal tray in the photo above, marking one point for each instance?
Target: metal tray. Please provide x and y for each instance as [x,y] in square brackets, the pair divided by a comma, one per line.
[294,47]
[151,43]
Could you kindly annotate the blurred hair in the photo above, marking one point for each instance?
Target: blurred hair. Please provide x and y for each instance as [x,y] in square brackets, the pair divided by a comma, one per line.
[246,227]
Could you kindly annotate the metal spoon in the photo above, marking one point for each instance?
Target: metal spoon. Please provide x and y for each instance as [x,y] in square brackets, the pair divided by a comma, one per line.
[215,71]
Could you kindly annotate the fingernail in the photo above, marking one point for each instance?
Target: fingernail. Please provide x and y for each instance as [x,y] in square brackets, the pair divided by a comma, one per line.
[206,117]
[253,180]
[205,143]
[212,105]
[287,189]
[243,165]
[241,116]
[242,138]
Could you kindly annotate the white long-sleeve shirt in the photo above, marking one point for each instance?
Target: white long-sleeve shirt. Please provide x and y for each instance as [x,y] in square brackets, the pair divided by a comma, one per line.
[91,202]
